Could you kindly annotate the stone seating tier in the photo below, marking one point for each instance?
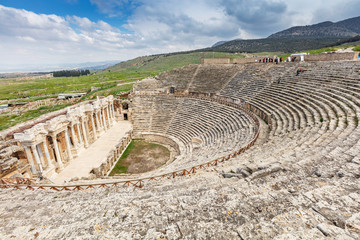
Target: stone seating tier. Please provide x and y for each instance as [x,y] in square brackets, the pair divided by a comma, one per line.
[222,129]
[300,181]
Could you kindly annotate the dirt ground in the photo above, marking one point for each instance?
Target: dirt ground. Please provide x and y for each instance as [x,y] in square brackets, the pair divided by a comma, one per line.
[145,157]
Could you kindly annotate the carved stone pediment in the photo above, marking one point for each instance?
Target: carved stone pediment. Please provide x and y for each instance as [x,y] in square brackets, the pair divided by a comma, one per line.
[56,124]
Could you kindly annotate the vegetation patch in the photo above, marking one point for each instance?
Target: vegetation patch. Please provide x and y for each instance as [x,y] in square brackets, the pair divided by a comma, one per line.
[166,62]
[11,120]
[15,90]
[326,49]
[141,156]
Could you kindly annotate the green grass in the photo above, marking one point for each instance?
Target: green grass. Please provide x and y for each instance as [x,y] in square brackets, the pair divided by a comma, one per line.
[18,89]
[119,167]
[11,120]
[128,149]
[109,90]
[165,62]
[327,49]
[136,147]
[268,54]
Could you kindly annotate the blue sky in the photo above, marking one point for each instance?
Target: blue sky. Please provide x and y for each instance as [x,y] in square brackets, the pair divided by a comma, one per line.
[81,8]
[39,32]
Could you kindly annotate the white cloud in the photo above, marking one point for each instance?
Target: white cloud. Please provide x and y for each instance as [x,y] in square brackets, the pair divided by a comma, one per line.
[26,38]
[43,39]
[186,24]
[154,26]
[15,22]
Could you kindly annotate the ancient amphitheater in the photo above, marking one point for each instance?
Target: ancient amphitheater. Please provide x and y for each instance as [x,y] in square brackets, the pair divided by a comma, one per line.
[260,153]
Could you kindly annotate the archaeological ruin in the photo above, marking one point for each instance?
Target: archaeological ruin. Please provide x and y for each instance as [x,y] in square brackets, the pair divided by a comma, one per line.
[42,148]
[258,152]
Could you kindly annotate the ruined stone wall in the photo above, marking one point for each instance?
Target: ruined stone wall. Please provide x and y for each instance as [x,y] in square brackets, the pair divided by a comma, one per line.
[216,61]
[105,168]
[163,141]
[244,60]
[40,147]
[331,56]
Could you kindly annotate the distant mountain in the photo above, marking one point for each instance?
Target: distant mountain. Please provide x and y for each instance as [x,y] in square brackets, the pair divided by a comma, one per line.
[343,29]
[273,45]
[296,38]
[56,67]
[222,42]
[218,43]
[92,65]
[352,24]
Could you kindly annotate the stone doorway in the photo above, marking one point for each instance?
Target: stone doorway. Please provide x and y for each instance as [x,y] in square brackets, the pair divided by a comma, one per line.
[172,90]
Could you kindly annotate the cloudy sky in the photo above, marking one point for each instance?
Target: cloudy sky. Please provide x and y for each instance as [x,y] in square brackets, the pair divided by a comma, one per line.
[36,32]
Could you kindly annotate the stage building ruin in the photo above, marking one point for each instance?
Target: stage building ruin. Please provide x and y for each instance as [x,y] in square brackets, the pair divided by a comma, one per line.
[42,149]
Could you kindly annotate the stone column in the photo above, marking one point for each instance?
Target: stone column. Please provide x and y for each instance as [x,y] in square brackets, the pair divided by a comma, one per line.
[37,159]
[93,126]
[57,152]
[79,132]
[113,110]
[30,159]
[47,154]
[73,135]
[111,113]
[108,115]
[101,120]
[85,133]
[103,116]
[68,147]
[41,155]
[97,122]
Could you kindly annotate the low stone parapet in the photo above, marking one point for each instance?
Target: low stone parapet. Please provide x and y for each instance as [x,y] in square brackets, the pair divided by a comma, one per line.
[105,168]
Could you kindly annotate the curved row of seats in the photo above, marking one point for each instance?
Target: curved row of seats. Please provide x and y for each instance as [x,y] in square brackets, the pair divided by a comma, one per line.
[200,78]
[315,115]
[312,193]
[314,108]
[252,79]
[222,129]
[179,77]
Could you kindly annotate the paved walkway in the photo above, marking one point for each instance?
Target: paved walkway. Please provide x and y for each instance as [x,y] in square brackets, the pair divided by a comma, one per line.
[94,155]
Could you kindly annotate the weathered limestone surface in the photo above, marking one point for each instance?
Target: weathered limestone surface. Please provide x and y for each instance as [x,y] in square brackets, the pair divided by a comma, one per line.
[220,129]
[43,147]
[95,155]
[287,204]
[300,181]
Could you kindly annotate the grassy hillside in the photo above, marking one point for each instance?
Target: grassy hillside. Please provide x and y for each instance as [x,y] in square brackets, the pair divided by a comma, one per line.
[165,62]
[274,45]
[354,45]
[121,77]
[112,81]
[16,88]
[29,91]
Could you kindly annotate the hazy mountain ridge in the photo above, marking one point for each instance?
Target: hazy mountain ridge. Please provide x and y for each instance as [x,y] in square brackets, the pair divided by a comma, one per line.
[342,29]
[297,38]
[55,67]
[272,45]
[218,43]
